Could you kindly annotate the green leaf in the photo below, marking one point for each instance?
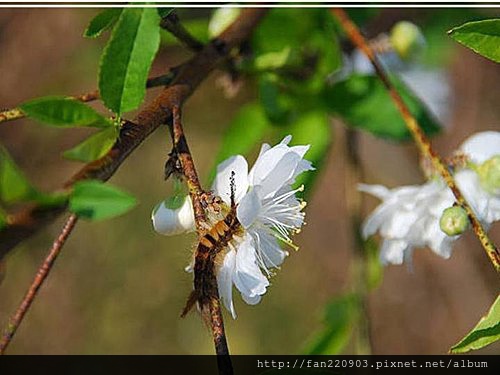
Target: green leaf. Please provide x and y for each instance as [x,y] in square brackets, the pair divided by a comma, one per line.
[245,131]
[94,147]
[340,317]
[63,112]
[101,22]
[363,102]
[14,186]
[483,37]
[486,332]
[127,58]
[314,129]
[221,19]
[94,200]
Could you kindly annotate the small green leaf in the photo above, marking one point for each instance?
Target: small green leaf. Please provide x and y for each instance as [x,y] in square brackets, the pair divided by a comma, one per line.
[340,317]
[94,200]
[363,102]
[101,22]
[221,19]
[486,332]
[483,37]
[246,130]
[94,147]
[14,186]
[63,112]
[127,58]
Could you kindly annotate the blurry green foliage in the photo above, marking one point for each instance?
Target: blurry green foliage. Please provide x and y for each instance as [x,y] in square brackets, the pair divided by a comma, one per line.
[374,269]
[486,332]
[364,103]
[94,200]
[127,58]
[312,128]
[340,316]
[483,37]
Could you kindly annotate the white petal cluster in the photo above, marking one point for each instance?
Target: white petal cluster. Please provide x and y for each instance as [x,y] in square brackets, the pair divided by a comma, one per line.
[408,216]
[268,211]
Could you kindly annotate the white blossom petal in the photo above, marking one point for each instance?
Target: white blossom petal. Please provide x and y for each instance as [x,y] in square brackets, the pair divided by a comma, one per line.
[222,185]
[270,253]
[248,277]
[225,281]
[249,208]
[482,146]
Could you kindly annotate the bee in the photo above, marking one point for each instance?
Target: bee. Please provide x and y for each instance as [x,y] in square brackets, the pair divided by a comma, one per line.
[210,246]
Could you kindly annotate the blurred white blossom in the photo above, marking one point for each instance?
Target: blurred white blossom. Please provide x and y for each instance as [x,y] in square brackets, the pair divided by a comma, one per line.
[409,216]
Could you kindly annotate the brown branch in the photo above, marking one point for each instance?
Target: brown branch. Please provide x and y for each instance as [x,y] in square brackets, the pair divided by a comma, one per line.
[171,24]
[195,191]
[40,277]
[163,80]
[418,135]
[189,75]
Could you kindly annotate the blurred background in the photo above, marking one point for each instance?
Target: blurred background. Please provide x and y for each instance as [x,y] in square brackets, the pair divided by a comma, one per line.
[119,287]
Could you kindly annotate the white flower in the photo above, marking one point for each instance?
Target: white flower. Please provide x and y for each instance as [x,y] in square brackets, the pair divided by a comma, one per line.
[408,217]
[267,209]
[174,219]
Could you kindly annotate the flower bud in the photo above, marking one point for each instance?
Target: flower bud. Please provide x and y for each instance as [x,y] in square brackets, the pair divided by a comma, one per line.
[407,40]
[174,216]
[489,174]
[454,221]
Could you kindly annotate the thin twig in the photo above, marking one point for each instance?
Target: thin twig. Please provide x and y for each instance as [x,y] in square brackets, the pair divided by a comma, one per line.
[163,80]
[195,191]
[190,74]
[171,23]
[418,135]
[40,277]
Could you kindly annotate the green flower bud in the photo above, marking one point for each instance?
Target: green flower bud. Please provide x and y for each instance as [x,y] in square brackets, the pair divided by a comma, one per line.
[407,40]
[454,221]
[489,175]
